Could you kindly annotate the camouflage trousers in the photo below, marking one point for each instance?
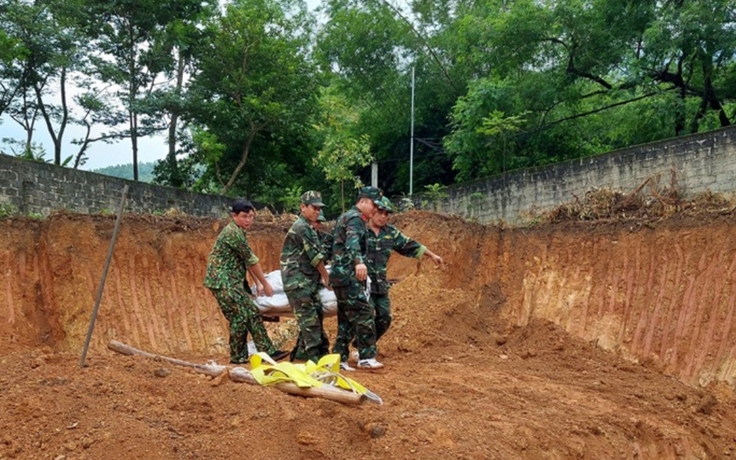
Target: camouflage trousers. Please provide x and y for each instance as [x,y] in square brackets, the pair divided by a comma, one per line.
[382,307]
[355,320]
[312,343]
[244,318]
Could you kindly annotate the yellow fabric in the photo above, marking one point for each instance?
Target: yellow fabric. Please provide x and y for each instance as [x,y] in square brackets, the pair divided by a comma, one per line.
[326,372]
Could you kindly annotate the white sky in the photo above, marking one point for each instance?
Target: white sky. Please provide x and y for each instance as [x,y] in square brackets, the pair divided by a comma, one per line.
[98,154]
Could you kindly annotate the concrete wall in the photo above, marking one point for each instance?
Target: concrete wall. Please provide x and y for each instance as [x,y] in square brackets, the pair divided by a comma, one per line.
[34,187]
[701,162]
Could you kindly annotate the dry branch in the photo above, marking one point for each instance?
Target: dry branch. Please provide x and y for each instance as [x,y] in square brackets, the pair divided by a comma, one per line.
[212,370]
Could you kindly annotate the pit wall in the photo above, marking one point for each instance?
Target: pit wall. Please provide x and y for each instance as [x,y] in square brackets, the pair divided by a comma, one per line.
[666,296]
[698,163]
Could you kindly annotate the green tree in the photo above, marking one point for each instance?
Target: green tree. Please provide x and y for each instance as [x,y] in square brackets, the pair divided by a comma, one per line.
[254,90]
[367,48]
[128,38]
[179,39]
[343,150]
[11,50]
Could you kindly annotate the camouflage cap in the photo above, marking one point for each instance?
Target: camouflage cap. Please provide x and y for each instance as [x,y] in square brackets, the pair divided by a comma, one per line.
[321,217]
[313,198]
[373,193]
[386,205]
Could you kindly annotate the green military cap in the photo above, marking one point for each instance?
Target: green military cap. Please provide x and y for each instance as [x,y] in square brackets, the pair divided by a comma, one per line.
[373,193]
[313,198]
[321,217]
[386,205]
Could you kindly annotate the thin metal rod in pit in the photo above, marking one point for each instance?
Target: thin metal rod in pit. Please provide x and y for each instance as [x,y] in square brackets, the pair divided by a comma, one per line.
[104,276]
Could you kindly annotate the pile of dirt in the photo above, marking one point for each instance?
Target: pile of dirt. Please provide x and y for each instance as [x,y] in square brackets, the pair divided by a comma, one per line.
[650,201]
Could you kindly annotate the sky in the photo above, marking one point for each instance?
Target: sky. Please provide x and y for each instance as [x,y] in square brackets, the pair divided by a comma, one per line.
[99,154]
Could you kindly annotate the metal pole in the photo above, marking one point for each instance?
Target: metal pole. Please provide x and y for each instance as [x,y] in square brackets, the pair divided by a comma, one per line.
[104,277]
[411,145]
[374,174]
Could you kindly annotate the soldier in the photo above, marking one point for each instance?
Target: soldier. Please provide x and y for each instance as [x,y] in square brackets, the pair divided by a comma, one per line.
[324,236]
[227,264]
[383,238]
[348,276]
[302,269]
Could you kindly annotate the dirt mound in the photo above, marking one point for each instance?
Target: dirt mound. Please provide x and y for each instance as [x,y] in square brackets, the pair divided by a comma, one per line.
[651,201]
[563,341]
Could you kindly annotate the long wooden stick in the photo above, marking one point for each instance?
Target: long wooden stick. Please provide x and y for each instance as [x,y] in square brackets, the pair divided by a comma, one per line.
[239,374]
[123,349]
[104,277]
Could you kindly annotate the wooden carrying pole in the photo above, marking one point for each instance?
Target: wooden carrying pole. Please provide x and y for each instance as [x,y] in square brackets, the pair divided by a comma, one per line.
[104,277]
[244,376]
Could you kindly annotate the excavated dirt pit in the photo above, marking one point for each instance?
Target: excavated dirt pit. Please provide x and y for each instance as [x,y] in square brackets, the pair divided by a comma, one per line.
[603,340]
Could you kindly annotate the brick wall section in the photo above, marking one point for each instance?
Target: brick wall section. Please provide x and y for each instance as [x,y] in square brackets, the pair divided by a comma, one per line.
[34,187]
[702,162]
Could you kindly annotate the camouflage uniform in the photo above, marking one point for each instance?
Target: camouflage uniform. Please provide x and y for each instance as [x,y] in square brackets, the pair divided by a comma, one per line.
[379,248]
[301,254]
[226,268]
[325,238]
[327,242]
[355,316]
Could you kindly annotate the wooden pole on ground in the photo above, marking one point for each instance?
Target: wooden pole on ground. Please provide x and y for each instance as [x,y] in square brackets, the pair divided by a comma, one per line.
[127,350]
[240,374]
[104,277]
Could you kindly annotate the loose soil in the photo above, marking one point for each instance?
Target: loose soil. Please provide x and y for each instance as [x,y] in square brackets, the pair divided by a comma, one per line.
[568,340]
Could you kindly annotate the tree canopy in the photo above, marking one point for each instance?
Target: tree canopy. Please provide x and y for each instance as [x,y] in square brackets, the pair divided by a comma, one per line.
[263,98]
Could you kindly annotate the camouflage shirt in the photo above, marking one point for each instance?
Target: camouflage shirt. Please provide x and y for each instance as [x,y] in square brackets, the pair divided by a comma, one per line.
[348,248]
[230,258]
[379,248]
[301,253]
[327,241]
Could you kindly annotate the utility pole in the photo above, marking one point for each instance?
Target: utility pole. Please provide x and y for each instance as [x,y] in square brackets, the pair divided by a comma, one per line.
[374,174]
[411,145]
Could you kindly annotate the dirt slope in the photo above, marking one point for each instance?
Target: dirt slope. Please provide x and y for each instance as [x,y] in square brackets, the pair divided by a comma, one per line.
[566,341]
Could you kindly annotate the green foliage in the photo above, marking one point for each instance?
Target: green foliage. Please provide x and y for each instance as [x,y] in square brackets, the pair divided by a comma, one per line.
[10,48]
[343,150]
[133,48]
[255,92]
[32,151]
[292,199]
[405,204]
[476,197]
[256,103]
[145,171]
[7,210]
[434,194]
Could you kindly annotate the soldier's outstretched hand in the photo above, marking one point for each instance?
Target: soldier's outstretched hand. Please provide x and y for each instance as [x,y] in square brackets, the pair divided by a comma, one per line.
[435,258]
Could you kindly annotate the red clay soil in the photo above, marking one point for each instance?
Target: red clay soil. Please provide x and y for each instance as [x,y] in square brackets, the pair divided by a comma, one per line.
[563,341]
